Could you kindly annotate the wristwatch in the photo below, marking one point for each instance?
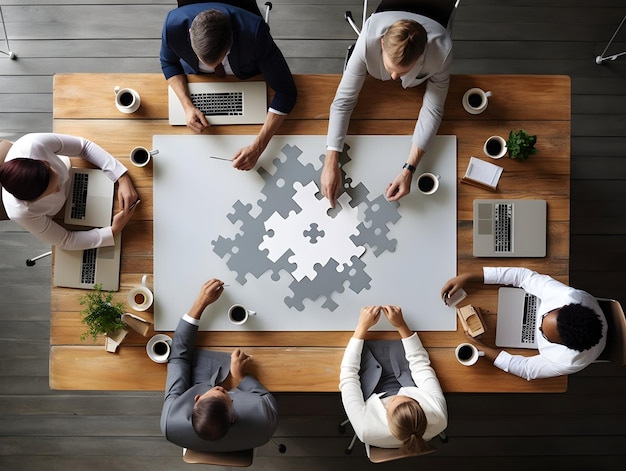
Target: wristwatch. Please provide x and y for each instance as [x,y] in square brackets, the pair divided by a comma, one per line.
[410,167]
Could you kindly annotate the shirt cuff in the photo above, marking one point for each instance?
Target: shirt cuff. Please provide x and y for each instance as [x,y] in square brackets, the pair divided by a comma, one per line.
[502,360]
[336,149]
[282,113]
[191,320]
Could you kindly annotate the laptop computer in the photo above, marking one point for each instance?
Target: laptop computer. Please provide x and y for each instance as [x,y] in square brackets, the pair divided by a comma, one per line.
[223,102]
[517,318]
[90,202]
[510,228]
[86,268]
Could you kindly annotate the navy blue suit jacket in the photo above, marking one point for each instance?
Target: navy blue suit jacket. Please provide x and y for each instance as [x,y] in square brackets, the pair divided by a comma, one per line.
[253,51]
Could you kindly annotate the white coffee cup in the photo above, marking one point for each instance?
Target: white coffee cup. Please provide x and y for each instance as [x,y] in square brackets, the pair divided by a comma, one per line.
[428,183]
[140,156]
[475,100]
[140,297]
[467,354]
[239,314]
[495,147]
[159,348]
[127,100]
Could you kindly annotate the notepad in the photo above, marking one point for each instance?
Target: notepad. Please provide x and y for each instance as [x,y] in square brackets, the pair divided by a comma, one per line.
[482,174]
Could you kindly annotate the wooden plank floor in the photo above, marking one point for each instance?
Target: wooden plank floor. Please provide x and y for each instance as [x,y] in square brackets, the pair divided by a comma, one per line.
[581,429]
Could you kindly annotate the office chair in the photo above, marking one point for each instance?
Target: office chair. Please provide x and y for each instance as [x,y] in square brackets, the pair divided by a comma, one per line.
[601,58]
[239,459]
[382,455]
[615,350]
[4,149]
[8,52]
[249,5]
[442,11]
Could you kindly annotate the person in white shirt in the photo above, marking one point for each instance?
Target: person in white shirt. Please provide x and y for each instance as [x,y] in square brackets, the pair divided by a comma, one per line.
[571,331]
[35,181]
[389,390]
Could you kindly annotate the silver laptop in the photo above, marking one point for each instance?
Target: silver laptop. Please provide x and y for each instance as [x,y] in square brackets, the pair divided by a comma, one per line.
[90,202]
[86,268]
[510,228]
[223,102]
[517,318]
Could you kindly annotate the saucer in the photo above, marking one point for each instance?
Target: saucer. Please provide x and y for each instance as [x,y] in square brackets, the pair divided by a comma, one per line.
[152,341]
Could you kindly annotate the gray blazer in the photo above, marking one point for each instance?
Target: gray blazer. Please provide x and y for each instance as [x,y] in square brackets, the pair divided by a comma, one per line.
[433,66]
[192,372]
[371,370]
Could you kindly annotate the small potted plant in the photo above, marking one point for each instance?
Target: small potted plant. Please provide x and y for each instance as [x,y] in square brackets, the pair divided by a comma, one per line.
[102,316]
[521,145]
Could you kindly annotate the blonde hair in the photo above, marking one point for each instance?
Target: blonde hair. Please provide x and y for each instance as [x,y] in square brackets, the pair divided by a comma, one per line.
[404,42]
[408,424]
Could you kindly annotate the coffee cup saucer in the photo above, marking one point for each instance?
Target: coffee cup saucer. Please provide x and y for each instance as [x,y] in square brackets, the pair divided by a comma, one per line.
[152,341]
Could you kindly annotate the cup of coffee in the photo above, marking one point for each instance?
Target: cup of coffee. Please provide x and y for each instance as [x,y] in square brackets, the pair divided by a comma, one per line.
[140,156]
[159,348]
[140,297]
[475,100]
[238,314]
[467,354]
[428,183]
[127,100]
[495,147]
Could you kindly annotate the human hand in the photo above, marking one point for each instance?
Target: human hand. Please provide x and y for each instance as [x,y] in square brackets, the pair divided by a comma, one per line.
[246,158]
[400,187]
[126,193]
[239,362]
[196,119]
[369,317]
[121,218]
[210,292]
[331,177]
[454,284]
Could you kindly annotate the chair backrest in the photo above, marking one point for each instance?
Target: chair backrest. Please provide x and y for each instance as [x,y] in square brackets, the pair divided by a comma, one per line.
[4,149]
[442,11]
[240,459]
[382,455]
[615,350]
[249,5]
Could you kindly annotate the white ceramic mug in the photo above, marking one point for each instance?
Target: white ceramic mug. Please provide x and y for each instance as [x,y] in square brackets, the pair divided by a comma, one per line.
[239,314]
[467,354]
[428,183]
[159,348]
[140,297]
[140,156]
[495,147]
[127,100]
[475,100]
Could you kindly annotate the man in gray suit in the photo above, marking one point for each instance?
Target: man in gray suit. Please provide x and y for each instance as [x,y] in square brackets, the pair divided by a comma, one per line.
[207,408]
[392,45]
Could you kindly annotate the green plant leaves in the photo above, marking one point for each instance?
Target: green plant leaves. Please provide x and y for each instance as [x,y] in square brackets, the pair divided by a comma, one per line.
[101,315]
[521,145]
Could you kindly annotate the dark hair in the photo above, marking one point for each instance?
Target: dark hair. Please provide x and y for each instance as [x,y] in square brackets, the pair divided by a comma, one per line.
[26,179]
[580,327]
[408,424]
[211,418]
[211,35]
[404,42]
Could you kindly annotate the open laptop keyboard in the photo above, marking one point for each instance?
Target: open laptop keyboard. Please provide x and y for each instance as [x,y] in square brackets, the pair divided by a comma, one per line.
[79,195]
[502,227]
[219,104]
[530,318]
[88,270]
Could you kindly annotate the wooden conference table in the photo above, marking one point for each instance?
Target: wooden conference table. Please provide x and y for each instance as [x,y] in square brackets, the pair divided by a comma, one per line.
[309,361]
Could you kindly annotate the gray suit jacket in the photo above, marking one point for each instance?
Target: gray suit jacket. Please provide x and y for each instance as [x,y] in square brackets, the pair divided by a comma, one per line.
[371,370]
[192,372]
[433,66]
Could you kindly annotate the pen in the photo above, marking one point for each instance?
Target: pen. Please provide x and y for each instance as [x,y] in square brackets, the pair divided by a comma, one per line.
[133,205]
[220,158]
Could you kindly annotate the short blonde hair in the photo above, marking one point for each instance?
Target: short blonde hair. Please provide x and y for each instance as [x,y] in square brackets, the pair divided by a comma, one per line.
[404,42]
[408,424]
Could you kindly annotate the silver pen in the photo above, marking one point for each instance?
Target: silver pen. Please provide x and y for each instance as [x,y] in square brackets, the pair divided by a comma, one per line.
[220,158]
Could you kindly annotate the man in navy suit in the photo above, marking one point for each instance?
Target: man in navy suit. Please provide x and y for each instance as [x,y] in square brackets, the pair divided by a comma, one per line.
[219,38]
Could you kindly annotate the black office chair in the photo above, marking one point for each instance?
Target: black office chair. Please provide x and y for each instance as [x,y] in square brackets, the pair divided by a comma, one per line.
[249,5]
[615,350]
[442,11]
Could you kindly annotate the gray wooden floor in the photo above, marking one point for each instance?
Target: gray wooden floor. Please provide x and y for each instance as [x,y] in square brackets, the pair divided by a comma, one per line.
[584,428]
